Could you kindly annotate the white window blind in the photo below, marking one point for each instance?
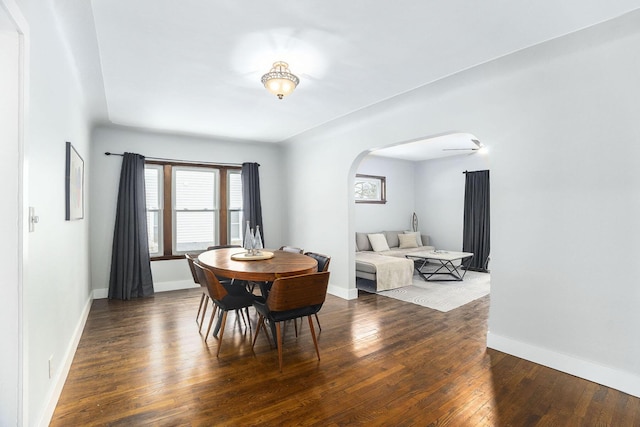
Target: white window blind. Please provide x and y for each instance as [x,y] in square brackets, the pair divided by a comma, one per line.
[195,208]
[235,213]
[153,196]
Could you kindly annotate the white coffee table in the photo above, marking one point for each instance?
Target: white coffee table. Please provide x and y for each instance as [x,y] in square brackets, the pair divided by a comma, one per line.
[446,266]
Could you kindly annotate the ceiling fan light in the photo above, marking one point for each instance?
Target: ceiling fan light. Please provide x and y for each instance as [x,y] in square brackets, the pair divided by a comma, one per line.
[279,80]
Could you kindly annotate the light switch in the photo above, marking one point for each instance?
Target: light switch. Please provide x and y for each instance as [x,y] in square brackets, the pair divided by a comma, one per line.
[33,219]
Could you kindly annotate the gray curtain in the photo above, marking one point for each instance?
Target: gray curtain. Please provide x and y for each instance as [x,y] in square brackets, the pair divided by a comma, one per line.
[251,204]
[476,230]
[130,263]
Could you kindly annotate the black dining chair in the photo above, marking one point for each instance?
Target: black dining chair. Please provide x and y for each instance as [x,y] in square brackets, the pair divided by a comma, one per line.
[323,260]
[226,280]
[226,298]
[291,249]
[291,298]
[323,265]
[211,248]
[205,298]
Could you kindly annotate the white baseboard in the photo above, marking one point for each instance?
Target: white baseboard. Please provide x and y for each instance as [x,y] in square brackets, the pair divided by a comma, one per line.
[60,377]
[187,284]
[175,285]
[343,293]
[101,293]
[614,378]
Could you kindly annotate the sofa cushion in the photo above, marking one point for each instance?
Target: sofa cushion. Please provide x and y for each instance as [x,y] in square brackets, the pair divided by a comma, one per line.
[392,238]
[407,241]
[365,267]
[362,242]
[418,237]
[378,242]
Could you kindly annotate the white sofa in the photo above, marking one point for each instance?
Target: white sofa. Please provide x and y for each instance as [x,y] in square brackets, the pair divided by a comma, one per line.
[380,268]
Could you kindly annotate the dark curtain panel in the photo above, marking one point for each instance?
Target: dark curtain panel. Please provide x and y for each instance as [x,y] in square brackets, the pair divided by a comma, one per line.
[130,264]
[476,220]
[251,196]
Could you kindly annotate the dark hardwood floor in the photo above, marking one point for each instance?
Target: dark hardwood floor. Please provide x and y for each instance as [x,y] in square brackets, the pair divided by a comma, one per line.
[384,362]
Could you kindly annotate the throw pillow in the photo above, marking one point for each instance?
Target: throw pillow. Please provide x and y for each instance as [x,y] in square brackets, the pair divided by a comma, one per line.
[417,235]
[407,241]
[378,242]
[362,242]
[392,238]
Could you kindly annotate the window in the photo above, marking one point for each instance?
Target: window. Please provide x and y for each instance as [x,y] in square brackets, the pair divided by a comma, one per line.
[195,209]
[192,207]
[153,185]
[236,217]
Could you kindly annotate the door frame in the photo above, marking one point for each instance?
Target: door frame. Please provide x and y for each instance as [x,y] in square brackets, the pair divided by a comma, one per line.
[13,22]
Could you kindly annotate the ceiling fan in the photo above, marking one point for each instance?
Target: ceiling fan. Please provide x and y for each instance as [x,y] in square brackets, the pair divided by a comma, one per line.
[475,141]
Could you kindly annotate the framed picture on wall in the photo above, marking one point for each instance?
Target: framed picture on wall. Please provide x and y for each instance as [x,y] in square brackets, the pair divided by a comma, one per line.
[74,184]
[370,189]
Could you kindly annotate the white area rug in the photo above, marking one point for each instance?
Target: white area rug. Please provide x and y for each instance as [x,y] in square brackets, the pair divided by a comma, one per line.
[443,296]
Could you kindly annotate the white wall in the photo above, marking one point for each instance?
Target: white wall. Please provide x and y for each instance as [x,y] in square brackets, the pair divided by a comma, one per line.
[10,221]
[172,274]
[439,195]
[56,295]
[396,213]
[560,120]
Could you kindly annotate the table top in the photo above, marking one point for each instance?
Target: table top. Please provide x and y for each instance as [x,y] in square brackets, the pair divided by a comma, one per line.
[282,264]
[442,255]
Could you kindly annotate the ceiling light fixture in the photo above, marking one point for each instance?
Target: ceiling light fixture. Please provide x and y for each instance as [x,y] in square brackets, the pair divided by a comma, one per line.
[279,80]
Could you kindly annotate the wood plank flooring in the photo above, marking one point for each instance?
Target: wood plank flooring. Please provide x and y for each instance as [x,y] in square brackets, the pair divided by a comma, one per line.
[384,362]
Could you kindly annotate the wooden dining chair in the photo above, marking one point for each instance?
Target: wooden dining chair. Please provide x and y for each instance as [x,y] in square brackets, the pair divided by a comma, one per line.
[226,298]
[226,280]
[323,265]
[205,298]
[291,249]
[291,298]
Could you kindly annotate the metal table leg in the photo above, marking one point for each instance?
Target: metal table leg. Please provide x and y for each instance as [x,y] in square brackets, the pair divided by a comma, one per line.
[451,270]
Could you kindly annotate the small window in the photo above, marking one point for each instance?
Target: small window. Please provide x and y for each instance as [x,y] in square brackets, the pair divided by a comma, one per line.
[153,186]
[236,217]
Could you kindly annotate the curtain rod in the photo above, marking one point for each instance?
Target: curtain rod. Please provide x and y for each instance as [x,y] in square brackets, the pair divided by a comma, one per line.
[466,172]
[179,161]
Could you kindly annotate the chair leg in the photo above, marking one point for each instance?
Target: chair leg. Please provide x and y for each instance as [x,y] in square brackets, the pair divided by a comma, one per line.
[318,320]
[239,311]
[266,334]
[204,311]
[224,321]
[313,334]
[279,335]
[213,315]
[250,286]
[260,324]
[200,306]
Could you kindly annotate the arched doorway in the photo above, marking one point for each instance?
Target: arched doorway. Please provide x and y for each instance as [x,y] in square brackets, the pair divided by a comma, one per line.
[422,176]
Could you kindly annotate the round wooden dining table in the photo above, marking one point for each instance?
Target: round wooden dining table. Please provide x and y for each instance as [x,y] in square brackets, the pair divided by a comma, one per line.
[282,264]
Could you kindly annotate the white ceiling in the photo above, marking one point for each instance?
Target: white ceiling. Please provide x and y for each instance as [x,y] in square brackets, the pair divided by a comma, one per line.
[455,144]
[194,66]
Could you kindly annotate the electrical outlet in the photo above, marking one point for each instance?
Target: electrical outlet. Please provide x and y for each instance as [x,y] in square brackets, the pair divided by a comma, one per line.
[51,366]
